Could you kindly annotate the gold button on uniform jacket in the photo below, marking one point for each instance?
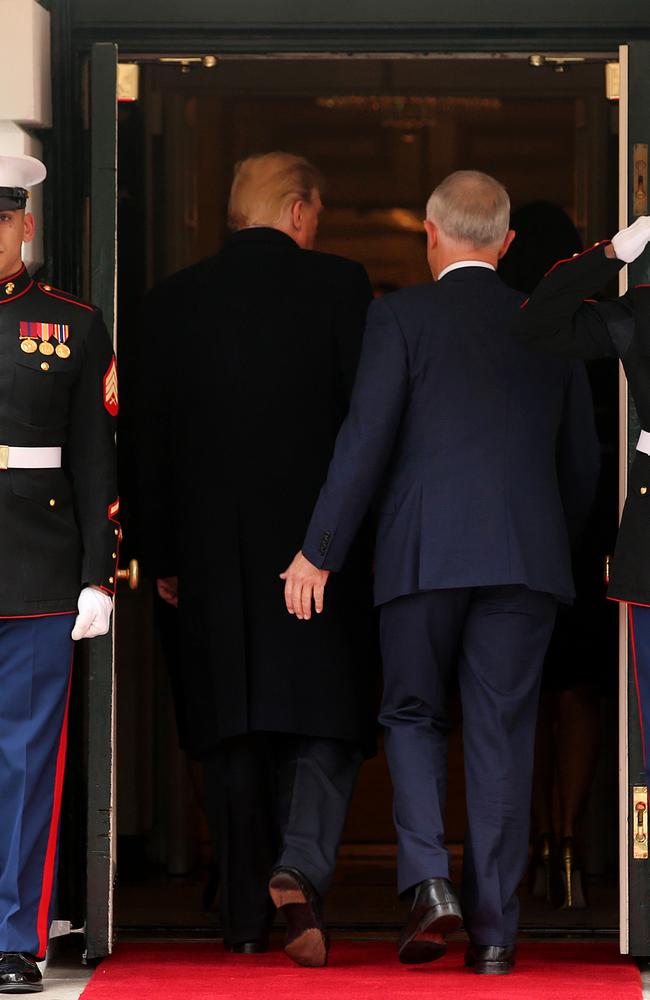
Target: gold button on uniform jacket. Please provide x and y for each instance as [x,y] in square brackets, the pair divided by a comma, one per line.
[58,388]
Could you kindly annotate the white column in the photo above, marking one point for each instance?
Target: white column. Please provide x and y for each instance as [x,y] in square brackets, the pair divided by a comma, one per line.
[25,94]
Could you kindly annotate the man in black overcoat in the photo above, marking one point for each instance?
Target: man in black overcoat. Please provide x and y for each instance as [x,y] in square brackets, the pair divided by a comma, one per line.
[483,460]
[249,361]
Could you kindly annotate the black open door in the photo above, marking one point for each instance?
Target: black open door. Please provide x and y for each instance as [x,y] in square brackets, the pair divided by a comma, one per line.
[99,655]
[635,864]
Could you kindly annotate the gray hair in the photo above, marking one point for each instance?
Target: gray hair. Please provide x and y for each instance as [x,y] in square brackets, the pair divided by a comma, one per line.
[471,208]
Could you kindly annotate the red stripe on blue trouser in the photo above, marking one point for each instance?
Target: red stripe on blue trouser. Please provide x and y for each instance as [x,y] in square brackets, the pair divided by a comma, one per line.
[35,665]
[639,618]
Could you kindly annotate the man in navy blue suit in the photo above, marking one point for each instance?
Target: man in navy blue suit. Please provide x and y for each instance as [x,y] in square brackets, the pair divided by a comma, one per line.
[482,461]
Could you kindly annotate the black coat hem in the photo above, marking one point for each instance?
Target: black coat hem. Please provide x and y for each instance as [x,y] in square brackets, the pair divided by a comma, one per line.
[367,744]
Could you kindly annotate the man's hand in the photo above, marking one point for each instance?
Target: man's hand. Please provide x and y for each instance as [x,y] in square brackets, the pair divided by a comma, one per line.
[631,242]
[94,614]
[168,589]
[303,582]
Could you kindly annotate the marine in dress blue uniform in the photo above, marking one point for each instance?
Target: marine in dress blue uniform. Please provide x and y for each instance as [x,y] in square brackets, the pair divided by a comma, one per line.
[558,319]
[58,553]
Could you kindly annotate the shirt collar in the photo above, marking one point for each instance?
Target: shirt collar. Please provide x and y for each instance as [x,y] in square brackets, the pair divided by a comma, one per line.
[465,263]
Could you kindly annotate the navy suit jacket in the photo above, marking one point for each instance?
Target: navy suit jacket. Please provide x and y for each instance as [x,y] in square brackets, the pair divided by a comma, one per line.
[482,458]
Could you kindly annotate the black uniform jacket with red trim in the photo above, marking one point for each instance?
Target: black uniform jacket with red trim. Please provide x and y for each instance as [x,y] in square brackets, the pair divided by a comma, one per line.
[58,528]
[558,320]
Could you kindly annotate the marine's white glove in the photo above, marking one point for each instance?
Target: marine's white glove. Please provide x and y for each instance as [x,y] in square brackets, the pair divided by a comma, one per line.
[631,242]
[94,614]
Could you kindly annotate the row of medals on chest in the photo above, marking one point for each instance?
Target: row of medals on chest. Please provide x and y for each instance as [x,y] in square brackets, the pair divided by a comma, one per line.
[29,346]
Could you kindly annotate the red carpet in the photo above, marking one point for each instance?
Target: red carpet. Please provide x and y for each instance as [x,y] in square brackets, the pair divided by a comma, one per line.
[360,970]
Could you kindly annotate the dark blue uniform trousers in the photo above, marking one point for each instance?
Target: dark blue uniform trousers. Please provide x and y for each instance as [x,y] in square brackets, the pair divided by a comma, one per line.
[35,666]
[497,638]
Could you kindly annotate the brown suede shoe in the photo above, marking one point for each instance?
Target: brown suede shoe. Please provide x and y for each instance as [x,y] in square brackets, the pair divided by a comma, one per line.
[306,942]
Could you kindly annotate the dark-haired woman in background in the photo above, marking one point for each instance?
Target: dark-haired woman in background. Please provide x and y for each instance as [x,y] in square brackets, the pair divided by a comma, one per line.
[569,716]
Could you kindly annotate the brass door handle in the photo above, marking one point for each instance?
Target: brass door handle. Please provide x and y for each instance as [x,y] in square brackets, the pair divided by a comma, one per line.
[131,575]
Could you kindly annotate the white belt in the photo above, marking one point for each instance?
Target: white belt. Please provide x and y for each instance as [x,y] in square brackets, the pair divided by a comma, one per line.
[29,458]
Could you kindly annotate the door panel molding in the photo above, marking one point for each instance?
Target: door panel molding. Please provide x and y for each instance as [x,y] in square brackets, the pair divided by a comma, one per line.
[623,411]
[101,828]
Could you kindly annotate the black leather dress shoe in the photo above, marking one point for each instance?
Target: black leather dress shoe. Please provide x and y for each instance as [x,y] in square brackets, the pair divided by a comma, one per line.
[306,942]
[255,947]
[434,913]
[19,973]
[490,959]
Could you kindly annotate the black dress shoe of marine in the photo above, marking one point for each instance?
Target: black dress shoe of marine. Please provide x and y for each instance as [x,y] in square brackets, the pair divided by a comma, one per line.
[19,973]
[255,947]
[490,959]
[292,892]
[434,913]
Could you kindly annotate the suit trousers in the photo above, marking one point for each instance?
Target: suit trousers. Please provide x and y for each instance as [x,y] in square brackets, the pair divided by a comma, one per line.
[496,637]
[35,669]
[274,799]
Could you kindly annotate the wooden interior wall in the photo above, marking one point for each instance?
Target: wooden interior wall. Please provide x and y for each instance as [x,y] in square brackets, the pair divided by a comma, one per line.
[539,134]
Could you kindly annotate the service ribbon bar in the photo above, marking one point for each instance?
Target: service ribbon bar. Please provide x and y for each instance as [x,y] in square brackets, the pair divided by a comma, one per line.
[44,331]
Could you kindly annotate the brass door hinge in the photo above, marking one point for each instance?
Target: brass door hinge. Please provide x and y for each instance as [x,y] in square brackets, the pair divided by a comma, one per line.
[613,81]
[128,82]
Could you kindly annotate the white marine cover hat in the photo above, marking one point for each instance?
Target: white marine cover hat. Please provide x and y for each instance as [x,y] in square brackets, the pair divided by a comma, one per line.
[17,174]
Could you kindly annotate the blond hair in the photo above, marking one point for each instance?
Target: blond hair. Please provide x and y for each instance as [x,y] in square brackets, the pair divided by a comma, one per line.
[264,186]
[471,208]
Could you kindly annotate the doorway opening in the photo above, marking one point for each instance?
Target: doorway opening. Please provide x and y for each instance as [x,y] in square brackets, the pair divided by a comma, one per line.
[384,131]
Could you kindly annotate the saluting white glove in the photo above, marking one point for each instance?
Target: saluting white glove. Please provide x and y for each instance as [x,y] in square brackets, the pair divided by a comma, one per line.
[94,614]
[631,242]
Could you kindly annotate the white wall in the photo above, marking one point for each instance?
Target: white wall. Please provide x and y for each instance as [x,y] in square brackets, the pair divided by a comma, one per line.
[25,94]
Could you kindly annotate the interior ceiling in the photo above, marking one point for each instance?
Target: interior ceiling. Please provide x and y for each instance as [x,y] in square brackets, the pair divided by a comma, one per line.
[443,77]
